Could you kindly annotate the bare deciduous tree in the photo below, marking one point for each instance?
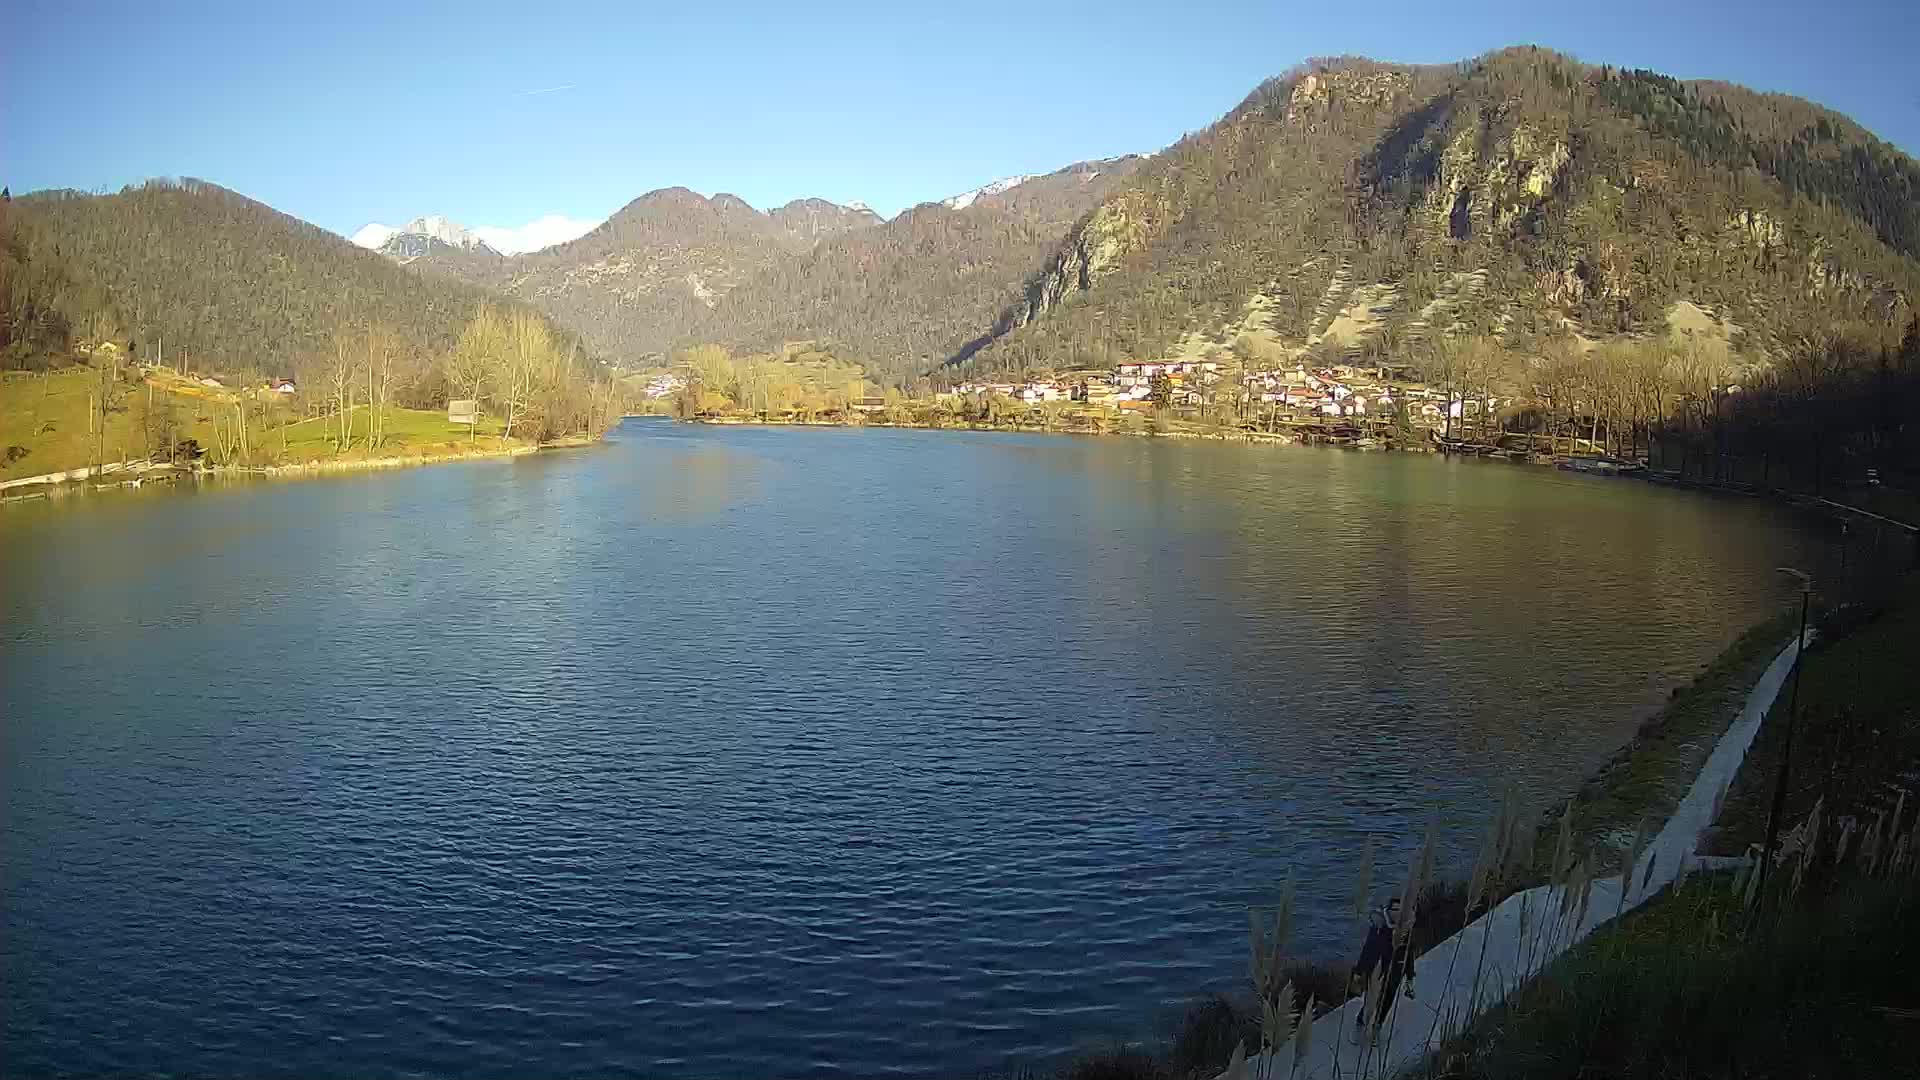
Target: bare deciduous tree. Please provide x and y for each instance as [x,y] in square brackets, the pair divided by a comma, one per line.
[339,373]
[477,355]
[381,355]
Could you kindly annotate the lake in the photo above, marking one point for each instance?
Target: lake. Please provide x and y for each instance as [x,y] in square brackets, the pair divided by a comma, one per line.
[760,752]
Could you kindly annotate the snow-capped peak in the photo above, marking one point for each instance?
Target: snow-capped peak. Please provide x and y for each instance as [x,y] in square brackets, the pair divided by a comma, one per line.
[861,207]
[447,232]
[539,233]
[961,202]
[373,235]
[377,236]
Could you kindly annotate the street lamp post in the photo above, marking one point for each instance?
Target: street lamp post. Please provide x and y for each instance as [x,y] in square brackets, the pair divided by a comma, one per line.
[1786,746]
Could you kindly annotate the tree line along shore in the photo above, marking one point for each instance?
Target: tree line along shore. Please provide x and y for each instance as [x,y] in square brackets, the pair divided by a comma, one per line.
[1838,413]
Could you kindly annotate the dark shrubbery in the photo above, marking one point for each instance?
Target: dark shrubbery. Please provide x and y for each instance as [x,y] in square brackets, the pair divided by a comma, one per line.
[1208,1032]
[1125,1063]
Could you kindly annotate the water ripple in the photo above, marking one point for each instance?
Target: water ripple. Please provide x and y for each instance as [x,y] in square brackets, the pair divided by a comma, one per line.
[763,753]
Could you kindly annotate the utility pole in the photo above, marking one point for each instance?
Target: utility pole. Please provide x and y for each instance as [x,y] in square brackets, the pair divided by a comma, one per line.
[1786,748]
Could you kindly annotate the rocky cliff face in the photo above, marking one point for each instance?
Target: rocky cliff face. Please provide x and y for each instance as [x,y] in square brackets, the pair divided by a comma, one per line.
[1125,223]
[1363,206]
[1205,169]
[1492,187]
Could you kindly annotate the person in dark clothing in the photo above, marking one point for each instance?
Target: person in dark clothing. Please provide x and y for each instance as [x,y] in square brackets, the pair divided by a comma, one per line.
[1394,963]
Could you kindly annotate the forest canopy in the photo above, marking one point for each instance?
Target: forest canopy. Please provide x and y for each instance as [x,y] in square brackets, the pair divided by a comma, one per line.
[183,269]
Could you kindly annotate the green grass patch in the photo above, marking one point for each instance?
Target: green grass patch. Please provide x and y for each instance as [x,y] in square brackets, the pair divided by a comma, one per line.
[1857,740]
[404,432]
[1682,987]
[47,425]
[47,422]
[1676,989]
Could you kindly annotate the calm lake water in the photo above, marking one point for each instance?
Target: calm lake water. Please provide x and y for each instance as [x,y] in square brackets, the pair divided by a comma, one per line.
[755,752]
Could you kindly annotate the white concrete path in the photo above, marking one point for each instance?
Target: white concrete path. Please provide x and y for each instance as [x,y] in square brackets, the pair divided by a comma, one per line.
[1494,955]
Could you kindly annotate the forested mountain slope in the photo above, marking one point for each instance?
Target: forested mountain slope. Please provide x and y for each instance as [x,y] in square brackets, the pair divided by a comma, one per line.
[635,284]
[903,297]
[673,269]
[1353,206]
[231,282]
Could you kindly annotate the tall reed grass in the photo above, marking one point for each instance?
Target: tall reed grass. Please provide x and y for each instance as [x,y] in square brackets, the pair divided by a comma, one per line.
[1712,978]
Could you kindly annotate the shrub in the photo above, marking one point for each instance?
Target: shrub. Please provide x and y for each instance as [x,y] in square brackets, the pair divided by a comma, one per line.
[1207,1033]
[1124,1063]
[1323,983]
[1439,912]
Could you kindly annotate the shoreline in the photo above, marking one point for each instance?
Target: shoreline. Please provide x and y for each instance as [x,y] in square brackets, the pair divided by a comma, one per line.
[1647,777]
[1272,438]
[1679,815]
[1509,951]
[328,465]
[137,473]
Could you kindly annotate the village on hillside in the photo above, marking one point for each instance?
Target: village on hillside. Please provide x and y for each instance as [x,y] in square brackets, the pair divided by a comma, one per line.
[1191,386]
[1189,389]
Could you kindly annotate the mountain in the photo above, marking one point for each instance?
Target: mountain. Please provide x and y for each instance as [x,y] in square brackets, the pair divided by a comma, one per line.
[377,237]
[962,201]
[234,283]
[659,263]
[631,285]
[674,268]
[1349,207]
[422,237]
[436,234]
[1355,207]
[805,221]
[905,295]
[373,236]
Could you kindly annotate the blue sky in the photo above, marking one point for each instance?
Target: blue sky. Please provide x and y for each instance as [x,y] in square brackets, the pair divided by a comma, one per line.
[344,113]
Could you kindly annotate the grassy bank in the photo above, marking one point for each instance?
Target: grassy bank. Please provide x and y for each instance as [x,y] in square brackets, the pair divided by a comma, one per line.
[1819,982]
[1642,783]
[1690,985]
[1677,989]
[1857,740]
[50,423]
[1670,992]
